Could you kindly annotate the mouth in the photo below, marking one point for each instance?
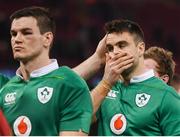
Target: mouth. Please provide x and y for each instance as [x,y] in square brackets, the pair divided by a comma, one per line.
[17,48]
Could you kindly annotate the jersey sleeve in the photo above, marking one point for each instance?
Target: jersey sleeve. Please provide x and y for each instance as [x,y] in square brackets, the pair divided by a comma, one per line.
[170,114]
[76,111]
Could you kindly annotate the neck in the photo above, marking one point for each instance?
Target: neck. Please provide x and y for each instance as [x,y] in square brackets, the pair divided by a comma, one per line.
[27,67]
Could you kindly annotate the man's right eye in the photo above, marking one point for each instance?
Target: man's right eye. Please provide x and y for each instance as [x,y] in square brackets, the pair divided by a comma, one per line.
[110,48]
[13,33]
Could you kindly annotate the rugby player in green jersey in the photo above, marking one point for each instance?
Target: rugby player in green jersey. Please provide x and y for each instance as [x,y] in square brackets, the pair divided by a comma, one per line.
[138,103]
[43,99]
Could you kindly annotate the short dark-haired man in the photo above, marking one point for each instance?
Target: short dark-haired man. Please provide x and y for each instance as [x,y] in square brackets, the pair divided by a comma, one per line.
[42,99]
[130,99]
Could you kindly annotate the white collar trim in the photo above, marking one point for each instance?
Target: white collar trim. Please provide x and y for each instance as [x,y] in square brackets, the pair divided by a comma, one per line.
[143,77]
[42,71]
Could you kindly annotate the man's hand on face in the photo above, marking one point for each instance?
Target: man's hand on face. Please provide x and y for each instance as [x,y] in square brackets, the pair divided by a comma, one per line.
[101,50]
[115,65]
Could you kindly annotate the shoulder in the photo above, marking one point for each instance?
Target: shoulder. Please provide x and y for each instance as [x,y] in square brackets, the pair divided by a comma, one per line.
[165,92]
[10,82]
[69,77]
[3,77]
[171,94]
[3,80]
[158,85]
[66,71]
[14,79]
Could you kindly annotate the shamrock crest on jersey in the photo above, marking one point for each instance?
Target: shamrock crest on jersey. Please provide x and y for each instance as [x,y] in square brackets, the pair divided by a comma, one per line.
[142,99]
[45,94]
[118,124]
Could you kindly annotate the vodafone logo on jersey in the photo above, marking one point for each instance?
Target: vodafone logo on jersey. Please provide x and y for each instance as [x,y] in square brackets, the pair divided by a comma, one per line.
[22,126]
[118,124]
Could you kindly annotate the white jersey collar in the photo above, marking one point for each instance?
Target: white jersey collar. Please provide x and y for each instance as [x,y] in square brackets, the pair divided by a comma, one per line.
[41,71]
[143,77]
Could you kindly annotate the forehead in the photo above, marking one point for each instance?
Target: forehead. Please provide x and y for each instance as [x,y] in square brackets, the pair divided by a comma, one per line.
[113,38]
[23,22]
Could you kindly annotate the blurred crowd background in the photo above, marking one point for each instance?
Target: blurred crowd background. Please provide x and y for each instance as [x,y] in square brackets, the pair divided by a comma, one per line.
[80,27]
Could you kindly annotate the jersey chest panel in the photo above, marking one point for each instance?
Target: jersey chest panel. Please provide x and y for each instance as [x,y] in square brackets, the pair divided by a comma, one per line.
[139,105]
[36,100]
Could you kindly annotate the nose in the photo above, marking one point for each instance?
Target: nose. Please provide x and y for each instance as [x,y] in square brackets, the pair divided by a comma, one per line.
[116,49]
[17,38]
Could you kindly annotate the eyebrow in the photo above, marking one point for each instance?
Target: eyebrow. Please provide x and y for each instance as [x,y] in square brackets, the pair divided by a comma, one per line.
[23,29]
[121,42]
[118,43]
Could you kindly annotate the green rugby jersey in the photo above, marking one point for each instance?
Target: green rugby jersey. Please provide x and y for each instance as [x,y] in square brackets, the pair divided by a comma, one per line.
[147,106]
[47,104]
[3,80]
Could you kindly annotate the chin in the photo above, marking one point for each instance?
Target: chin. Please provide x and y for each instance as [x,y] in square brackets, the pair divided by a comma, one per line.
[128,71]
[19,58]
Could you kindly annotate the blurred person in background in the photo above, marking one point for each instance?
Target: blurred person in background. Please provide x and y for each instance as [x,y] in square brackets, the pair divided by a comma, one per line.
[161,61]
[43,99]
[141,104]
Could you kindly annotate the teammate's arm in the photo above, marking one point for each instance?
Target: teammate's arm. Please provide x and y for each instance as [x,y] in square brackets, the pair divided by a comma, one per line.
[90,66]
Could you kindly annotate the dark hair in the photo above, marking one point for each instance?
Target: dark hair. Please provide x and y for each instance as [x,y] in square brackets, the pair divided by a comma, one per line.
[44,19]
[164,59]
[125,26]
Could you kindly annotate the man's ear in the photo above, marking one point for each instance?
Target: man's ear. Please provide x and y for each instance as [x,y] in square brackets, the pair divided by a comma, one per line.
[48,38]
[141,48]
[165,78]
